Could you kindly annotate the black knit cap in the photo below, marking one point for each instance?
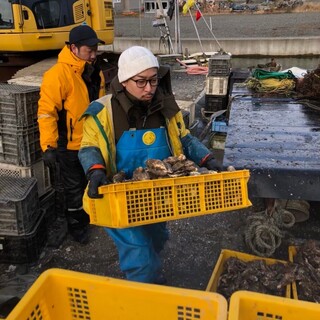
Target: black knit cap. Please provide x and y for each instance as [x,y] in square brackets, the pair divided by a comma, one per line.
[84,35]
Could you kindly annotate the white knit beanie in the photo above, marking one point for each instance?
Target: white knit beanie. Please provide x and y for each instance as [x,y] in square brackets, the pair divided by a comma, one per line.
[135,60]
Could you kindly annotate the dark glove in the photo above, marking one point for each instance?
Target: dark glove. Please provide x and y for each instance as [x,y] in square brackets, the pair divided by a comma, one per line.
[212,164]
[97,178]
[50,157]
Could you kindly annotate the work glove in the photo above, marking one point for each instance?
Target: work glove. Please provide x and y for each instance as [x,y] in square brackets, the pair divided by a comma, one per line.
[212,164]
[97,178]
[50,157]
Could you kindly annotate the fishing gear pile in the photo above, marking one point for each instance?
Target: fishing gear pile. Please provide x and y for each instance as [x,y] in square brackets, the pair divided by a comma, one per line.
[308,87]
[264,81]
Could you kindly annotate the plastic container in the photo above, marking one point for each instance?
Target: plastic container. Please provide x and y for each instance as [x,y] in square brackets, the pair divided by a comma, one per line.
[215,103]
[226,254]
[219,126]
[19,205]
[24,249]
[292,251]
[19,146]
[37,170]
[18,105]
[245,305]
[218,140]
[144,202]
[219,65]
[62,294]
[217,86]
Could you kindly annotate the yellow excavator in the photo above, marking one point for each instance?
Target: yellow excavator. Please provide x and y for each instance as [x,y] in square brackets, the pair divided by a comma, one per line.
[32,30]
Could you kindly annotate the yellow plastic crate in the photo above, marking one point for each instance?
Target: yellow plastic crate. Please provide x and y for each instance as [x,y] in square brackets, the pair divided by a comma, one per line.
[245,305]
[292,251]
[138,203]
[226,254]
[64,295]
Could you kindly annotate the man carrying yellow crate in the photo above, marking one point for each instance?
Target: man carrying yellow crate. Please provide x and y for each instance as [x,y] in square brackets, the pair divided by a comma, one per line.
[140,120]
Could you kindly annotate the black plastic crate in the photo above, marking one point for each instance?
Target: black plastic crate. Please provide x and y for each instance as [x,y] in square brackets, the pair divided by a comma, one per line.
[20,146]
[219,65]
[19,205]
[18,105]
[24,249]
[215,103]
[37,170]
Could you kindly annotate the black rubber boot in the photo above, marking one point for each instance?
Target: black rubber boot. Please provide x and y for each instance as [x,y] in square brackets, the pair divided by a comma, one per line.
[78,223]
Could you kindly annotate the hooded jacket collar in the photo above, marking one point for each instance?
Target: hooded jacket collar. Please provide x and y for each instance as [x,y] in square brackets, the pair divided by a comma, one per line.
[67,57]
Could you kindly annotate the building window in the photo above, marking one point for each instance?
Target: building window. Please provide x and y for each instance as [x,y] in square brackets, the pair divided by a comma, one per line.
[152,6]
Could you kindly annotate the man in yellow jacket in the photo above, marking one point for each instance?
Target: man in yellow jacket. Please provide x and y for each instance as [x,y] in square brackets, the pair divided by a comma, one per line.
[139,121]
[66,91]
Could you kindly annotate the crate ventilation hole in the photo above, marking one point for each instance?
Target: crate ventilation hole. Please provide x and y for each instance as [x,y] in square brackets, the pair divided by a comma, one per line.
[35,314]
[79,304]
[188,313]
[267,316]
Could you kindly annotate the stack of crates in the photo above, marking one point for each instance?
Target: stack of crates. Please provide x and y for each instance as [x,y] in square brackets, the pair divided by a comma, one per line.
[20,151]
[25,180]
[216,97]
[22,222]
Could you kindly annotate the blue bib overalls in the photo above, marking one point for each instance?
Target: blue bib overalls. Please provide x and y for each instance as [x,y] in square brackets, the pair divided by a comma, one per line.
[138,247]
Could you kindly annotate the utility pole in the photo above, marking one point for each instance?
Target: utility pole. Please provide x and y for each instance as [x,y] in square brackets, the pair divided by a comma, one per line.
[177,37]
[140,22]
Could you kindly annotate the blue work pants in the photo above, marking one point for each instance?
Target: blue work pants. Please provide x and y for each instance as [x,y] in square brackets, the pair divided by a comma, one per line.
[139,248]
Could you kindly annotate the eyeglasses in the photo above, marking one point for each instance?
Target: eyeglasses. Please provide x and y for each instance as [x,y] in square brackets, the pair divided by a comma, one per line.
[141,83]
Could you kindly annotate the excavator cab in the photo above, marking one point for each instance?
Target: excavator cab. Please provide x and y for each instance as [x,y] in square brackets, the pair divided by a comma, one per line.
[40,25]
[58,13]
[33,30]
[48,15]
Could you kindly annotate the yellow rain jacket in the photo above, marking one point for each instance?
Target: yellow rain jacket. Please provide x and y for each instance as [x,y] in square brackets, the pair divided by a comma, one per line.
[63,99]
[98,146]
[94,139]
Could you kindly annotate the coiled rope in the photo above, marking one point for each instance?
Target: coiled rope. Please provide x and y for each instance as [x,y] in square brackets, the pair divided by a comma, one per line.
[264,233]
[284,86]
[194,69]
